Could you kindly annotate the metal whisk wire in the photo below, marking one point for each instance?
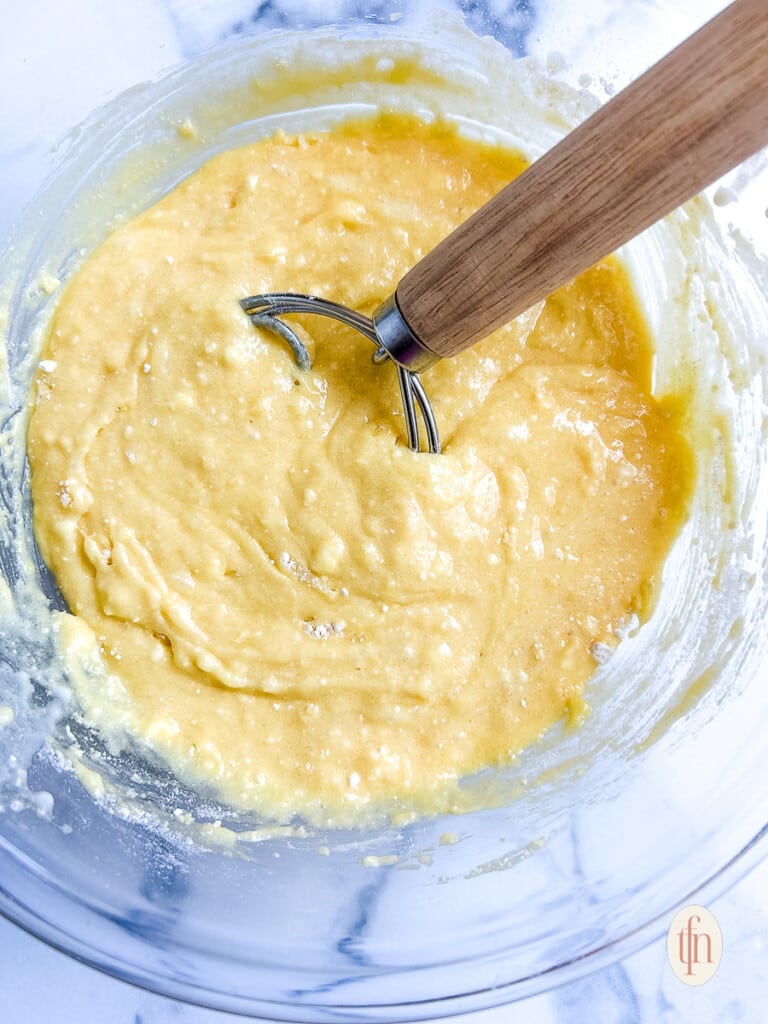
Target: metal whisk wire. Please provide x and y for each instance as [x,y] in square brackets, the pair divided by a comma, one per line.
[265,311]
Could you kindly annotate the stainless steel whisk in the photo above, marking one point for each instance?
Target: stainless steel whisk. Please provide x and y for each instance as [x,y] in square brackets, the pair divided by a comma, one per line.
[265,311]
[693,116]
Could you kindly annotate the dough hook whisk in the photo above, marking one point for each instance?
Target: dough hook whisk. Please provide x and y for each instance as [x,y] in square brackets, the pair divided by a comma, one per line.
[683,124]
[265,311]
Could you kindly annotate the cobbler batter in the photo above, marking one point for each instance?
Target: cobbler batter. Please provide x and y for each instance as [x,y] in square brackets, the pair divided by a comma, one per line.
[294,610]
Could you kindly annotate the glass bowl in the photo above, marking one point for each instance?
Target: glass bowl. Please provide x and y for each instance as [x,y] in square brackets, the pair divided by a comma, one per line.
[583,848]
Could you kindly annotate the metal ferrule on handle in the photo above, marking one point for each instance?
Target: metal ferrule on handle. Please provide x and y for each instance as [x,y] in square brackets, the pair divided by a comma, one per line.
[398,339]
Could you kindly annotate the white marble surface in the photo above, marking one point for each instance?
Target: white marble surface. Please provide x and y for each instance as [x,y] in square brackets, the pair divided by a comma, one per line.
[42,986]
[91,40]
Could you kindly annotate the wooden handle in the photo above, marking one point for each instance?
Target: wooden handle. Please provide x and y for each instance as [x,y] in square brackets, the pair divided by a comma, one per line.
[689,119]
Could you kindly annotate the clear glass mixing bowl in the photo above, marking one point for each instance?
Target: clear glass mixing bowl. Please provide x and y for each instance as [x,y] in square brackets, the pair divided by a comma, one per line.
[588,842]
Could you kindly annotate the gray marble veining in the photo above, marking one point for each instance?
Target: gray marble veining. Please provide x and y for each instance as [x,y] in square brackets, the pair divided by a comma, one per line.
[40,984]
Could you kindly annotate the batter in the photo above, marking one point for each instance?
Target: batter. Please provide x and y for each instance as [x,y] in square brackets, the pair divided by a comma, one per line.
[291,608]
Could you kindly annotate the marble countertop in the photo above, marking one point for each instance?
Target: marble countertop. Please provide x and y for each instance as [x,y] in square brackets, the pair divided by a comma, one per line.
[40,984]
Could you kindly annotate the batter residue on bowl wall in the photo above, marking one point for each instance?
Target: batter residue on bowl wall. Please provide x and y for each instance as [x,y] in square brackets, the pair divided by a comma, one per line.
[289,605]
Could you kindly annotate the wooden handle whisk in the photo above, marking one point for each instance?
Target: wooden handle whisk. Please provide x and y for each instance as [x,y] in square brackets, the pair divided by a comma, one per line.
[696,114]
[679,127]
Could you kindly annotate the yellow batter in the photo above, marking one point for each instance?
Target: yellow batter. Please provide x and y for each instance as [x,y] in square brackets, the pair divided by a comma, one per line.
[296,611]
